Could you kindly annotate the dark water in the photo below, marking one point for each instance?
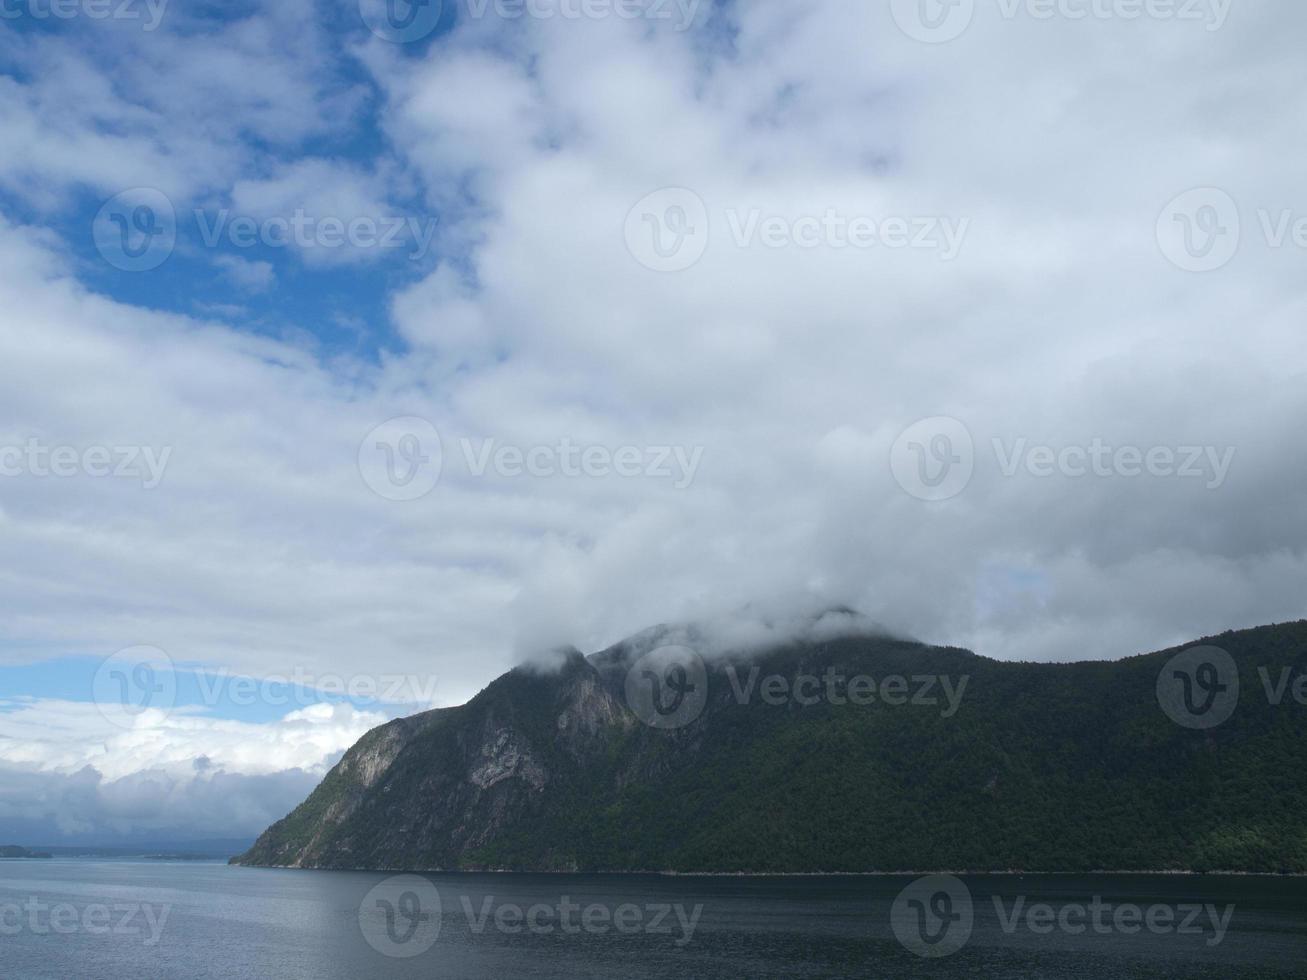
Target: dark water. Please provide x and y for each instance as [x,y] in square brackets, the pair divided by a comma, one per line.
[115,920]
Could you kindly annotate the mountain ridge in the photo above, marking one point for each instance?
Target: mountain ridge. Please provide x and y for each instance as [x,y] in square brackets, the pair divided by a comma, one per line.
[1041,767]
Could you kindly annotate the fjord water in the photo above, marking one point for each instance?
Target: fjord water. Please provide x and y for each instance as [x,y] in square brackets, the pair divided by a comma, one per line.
[249,924]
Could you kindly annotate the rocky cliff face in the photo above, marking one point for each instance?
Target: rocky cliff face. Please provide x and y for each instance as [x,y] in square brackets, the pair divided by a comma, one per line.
[444,783]
[947,760]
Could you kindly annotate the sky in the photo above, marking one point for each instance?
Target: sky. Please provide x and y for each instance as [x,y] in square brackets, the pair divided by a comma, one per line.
[352,352]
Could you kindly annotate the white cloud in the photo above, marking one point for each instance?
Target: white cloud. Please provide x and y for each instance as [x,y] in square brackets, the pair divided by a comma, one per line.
[187,108]
[253,276]
[66,736]
[178,774]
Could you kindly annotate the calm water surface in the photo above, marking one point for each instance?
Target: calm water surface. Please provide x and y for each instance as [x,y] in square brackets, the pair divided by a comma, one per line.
[126,920]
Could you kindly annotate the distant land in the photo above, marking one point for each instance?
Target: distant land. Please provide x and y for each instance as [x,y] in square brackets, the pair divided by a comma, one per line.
[201,850]
[958,763]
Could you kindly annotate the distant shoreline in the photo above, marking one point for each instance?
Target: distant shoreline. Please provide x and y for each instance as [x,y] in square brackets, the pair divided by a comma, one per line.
[796,874]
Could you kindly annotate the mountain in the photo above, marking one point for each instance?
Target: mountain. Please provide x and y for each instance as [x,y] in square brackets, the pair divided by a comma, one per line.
[1014,766]
[193,850]
[14,851]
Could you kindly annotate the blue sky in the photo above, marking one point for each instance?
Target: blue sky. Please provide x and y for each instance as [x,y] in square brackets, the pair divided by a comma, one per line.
[217,694]
[343,314]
